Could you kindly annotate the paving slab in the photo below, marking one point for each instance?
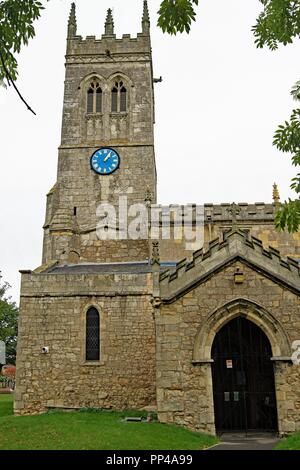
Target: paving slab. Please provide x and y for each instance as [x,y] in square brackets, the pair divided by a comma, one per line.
[251,441]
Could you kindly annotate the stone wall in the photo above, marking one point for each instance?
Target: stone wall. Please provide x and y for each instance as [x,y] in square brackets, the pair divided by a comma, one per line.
[53,310]
[184,389]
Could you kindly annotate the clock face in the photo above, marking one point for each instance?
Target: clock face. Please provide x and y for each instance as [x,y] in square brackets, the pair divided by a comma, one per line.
[105,161]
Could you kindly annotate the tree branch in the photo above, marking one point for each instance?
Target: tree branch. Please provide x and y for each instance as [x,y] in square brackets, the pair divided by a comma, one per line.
[11,81]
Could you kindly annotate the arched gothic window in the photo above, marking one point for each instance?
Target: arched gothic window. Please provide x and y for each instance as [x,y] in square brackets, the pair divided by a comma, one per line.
[92,335]
[119,98]
[94,98]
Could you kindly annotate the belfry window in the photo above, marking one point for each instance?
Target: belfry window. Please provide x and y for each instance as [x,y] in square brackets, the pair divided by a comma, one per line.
[119,98]
[94,98]
[92,335]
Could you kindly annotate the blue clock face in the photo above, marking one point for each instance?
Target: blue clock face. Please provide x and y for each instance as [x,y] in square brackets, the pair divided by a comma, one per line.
[105,161]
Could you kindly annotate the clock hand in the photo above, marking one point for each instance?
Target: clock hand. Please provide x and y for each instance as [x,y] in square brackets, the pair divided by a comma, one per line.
[107,157]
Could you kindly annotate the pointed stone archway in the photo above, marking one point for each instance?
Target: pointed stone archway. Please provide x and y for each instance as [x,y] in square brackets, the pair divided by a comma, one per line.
[252,311]
[243,379]
[255,313]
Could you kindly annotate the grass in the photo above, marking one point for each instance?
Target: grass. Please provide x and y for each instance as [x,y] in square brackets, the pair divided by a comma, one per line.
[290,443]
[86,430]
[6,405]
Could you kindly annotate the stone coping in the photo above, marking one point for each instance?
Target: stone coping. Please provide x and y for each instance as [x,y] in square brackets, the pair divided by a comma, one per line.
[237,246]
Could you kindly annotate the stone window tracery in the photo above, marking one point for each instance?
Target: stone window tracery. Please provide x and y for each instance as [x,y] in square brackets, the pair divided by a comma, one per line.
[94,98]
[119,97]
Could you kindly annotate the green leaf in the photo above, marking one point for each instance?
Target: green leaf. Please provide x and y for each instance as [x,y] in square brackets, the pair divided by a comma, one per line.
[278,23]
[288,216]
[17,19]
[176,16]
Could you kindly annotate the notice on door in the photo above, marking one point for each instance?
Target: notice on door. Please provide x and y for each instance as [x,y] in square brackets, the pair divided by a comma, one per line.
[229,363]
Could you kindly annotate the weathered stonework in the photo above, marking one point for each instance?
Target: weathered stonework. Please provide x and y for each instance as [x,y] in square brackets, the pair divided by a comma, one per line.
[157,325]
[197,302]
[78,189]
[53,314]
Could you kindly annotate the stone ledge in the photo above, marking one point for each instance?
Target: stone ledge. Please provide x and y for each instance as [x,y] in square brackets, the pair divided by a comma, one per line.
[202,361]
[281,358]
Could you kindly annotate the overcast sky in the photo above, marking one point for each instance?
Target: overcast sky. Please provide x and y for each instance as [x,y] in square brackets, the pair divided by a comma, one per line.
[216,111]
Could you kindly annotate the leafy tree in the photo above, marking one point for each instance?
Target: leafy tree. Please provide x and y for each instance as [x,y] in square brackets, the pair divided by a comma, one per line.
[287,139]
[8,322]
[279,23]
[176,16]
[16,28]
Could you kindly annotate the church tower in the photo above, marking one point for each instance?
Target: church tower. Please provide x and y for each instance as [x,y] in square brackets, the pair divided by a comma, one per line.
[107,145]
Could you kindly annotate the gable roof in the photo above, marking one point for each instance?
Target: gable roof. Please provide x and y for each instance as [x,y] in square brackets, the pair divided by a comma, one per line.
[238,245]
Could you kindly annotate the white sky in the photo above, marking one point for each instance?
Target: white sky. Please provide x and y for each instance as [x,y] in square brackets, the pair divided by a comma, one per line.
[216,111]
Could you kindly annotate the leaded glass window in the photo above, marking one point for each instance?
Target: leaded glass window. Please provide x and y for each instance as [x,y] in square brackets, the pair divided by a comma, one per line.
[92,335]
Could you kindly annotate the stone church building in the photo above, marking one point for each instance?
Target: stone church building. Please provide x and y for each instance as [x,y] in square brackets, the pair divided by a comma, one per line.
[205,334]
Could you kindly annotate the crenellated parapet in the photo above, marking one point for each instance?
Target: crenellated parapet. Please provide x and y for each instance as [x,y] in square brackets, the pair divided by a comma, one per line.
[216,213]
[236,246]
[108,45]
[258,211]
